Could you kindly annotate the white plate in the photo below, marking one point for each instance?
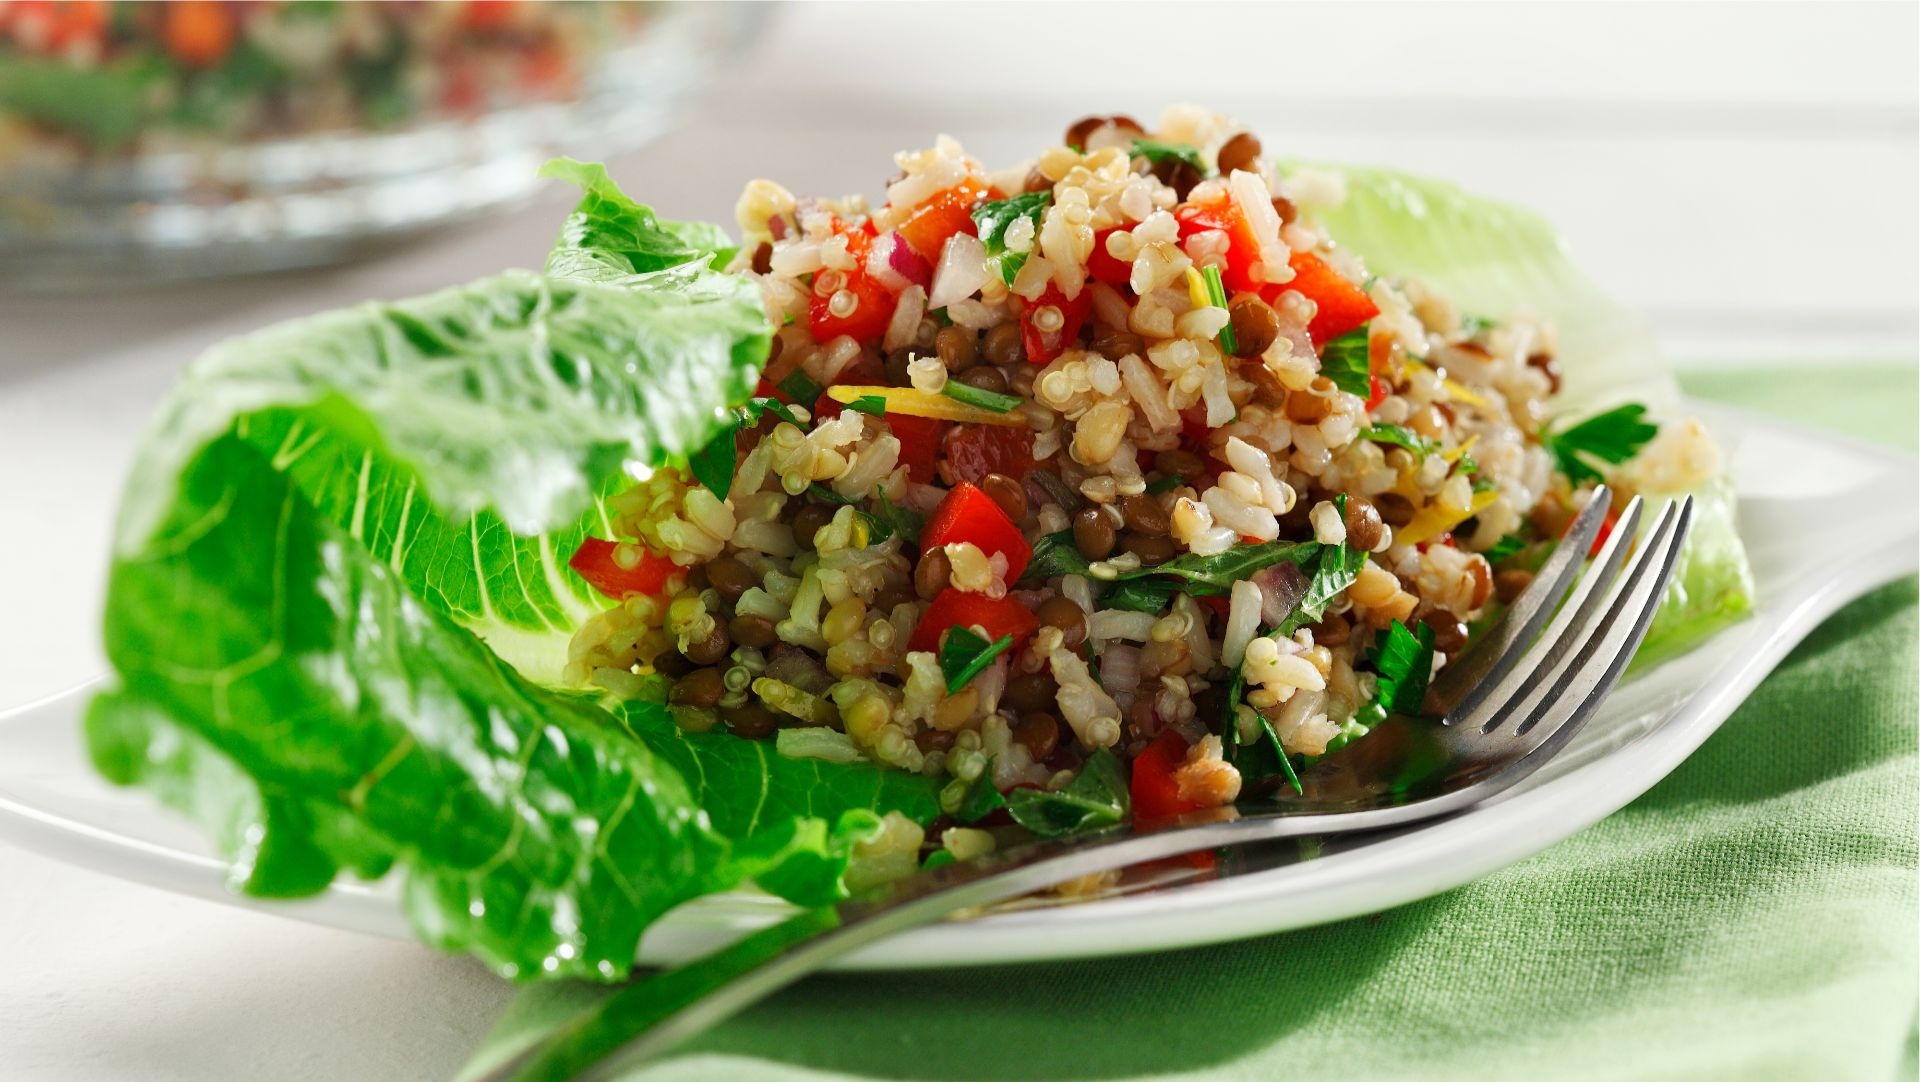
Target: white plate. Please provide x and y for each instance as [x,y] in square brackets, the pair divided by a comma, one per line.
[1801,500]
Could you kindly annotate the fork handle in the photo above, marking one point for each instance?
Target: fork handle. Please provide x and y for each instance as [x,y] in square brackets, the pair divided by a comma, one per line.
[649,1017]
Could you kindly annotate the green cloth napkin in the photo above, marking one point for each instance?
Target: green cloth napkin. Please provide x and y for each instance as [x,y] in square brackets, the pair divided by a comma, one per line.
[1752,917]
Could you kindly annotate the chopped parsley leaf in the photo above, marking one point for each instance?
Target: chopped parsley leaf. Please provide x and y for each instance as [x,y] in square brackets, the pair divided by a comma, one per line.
[826,495]
[800,387]
[900,521]
[1139,595]
[1505,547]
[1335,569]
[1403,663]
[965,655]
[1093,800]
[982,799]
[713,464]
[1400,436]
[993,216]
[1156,152]
[1344,361]
[1612,437]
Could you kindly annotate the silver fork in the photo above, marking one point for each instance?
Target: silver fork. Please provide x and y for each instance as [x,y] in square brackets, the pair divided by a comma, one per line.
[1506,706]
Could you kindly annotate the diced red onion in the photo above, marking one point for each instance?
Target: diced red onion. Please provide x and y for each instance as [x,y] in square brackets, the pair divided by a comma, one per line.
[962,271]
[893,263]
[1281,588]
[904,327]
[1120,670]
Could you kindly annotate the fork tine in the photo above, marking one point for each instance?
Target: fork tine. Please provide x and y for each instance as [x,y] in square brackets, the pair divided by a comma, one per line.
[1590,678]
[1463,685]
[1573,652]
[1491,710]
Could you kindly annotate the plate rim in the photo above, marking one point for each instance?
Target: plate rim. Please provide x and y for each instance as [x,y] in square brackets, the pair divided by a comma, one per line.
[1425,861]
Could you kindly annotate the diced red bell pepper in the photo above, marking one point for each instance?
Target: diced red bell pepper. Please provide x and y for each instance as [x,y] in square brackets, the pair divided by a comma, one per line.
[594,561]
[1104,267]
[975,451]
[996,616]
[1043,346]
[873,308]
[487,15]
[1194,429]
[198,32]
[919,445]
[941,215]
[1156,795]
[1243,246]
[1376,391]
[970,515]
[1341,306]
[1606,531]
[49,27]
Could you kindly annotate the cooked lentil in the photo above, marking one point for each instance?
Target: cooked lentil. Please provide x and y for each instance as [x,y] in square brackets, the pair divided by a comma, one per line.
[700,688]
[1008,494]
[753,631]
[1065,615]
[1255,326]
[1093,534]
[985,378]
[1238,152]
[958,348]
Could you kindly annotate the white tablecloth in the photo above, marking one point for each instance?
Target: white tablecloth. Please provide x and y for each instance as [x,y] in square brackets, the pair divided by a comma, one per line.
[1744,174]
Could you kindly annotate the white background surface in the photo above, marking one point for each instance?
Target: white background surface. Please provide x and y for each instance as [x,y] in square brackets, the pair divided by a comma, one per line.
[1746,174]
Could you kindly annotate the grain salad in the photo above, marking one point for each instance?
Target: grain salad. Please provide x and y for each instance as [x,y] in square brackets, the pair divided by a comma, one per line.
[1108,469]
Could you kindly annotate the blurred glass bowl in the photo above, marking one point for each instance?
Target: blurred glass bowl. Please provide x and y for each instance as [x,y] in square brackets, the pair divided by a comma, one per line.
[143,142]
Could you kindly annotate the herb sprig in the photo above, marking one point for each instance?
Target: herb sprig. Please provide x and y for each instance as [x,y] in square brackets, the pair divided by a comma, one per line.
[1217,297]
[1201,576]
[1094,800]
[965,655]
[1400,436]
[1612,437]
[1403,661]
[1344,361]
[1156,152]
[978,397]
[992,218]
[1335,567]
[712,465]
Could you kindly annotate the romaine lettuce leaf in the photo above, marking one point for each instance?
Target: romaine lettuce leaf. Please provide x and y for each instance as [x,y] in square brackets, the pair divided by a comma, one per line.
[340,588]
[1497,259]
[755,796]
[534,830]
[609,236]
[1712,586]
